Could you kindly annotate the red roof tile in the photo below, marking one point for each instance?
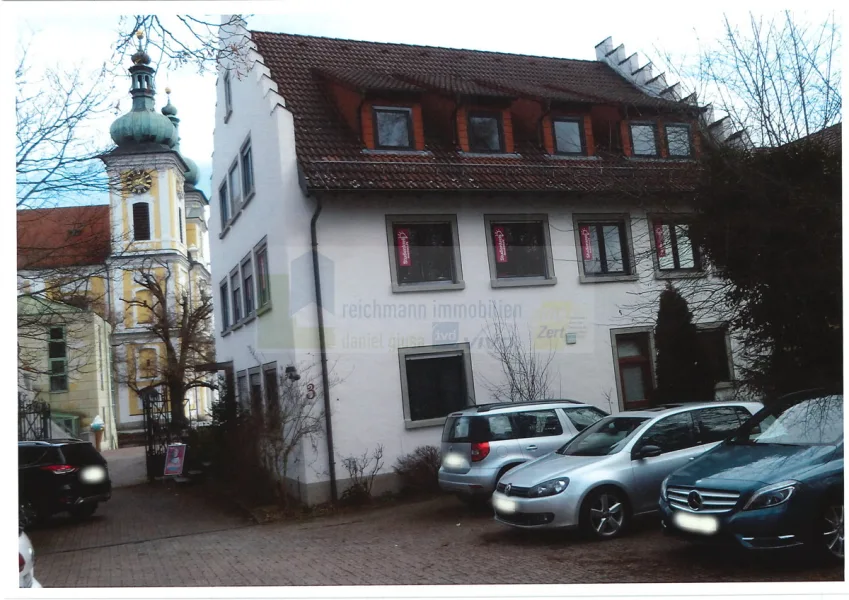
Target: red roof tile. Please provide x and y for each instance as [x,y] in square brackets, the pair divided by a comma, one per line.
[331,154]
[63,237]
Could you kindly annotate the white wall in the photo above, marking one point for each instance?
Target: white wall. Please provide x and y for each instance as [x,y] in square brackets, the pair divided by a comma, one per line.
[367,406]
[367,403]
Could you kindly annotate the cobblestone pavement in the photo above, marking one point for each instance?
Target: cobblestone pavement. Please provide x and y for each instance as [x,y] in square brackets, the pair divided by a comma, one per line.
[155,536]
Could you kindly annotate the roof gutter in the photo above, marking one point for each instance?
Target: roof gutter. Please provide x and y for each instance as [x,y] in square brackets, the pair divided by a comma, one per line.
[325,383]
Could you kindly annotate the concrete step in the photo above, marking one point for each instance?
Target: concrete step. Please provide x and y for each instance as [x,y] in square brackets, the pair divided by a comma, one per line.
[130,438]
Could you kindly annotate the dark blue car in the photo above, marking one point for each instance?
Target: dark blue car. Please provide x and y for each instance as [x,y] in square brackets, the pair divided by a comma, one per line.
[776,483]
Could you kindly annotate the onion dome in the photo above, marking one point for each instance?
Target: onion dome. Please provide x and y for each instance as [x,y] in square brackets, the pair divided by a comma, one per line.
[170,112]
[143,124]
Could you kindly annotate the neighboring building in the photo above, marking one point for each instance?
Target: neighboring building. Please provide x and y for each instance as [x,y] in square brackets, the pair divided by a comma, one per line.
[65,355]
[442,187]
[90,255]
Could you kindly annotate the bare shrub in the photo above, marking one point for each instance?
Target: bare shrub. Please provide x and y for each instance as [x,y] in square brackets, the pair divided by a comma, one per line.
[361,472]
[419,470]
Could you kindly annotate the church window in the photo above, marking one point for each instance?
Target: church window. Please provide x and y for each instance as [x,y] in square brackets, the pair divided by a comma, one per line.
[141,221]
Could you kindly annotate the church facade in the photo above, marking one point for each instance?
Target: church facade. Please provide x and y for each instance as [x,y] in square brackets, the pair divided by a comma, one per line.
[93,257]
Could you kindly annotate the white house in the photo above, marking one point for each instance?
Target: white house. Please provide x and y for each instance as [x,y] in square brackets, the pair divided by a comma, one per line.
[431,192]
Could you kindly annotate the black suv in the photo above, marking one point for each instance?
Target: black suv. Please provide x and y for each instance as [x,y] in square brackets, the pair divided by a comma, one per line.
[61,476]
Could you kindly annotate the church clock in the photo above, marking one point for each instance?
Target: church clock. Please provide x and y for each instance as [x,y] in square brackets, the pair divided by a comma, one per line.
[138,181]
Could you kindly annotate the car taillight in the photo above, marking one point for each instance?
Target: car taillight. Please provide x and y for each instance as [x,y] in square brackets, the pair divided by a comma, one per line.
[480,450]
[21,562]
[60,469]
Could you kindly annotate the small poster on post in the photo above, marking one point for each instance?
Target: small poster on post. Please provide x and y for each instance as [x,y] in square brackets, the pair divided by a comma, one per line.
[174,459]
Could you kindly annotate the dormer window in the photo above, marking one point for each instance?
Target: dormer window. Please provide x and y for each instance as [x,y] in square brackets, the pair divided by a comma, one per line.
[568,136]
[486,132]
[643,139]
[678,140]
[393,128]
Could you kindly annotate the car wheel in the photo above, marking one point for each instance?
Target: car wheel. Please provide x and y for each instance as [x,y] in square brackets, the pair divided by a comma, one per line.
[604,514]
[28,515]
[830,528]
[83,511]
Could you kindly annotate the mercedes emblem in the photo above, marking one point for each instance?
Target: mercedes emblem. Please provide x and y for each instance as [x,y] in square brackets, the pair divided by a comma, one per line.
[694,500]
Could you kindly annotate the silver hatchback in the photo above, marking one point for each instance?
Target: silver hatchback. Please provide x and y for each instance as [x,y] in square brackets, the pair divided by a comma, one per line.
[481,443]
[613,469]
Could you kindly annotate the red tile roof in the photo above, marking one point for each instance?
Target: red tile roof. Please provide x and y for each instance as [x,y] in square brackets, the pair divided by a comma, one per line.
[331,154]
[831,137]
[63,237]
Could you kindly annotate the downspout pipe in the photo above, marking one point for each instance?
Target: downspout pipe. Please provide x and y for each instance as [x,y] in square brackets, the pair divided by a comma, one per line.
[325,383]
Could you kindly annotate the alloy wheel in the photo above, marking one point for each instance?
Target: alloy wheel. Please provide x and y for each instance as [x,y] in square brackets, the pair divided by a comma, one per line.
[833,536]
[607,514]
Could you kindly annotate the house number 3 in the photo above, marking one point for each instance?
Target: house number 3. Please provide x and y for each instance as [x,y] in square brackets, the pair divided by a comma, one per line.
[310,391]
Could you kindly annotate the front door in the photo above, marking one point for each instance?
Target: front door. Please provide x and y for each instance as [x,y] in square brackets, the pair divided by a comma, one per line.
[675,436]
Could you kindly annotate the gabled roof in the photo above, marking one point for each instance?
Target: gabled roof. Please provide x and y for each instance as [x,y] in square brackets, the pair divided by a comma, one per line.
[830,137]
[331,156]
[63,237]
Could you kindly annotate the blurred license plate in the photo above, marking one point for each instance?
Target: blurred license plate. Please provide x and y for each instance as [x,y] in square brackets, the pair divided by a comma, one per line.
[504,505]
[704,524]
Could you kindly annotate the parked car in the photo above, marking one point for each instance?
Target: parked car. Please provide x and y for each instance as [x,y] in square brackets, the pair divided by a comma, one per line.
[61,476]
[26,562]
[778,482]
[480,444]
[613,469]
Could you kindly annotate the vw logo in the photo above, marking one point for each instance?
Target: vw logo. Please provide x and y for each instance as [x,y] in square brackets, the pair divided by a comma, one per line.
[507,488]
[694,499]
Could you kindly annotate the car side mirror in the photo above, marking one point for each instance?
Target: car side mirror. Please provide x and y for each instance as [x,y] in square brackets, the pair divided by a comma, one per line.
[647,452]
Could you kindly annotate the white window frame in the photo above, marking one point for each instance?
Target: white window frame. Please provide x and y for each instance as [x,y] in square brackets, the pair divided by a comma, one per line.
[260,247]
[228,96]
[457,284]
[63,360]
[624,331]
[438,351]
[226,309]
[247,194]
[625,219]
[495,281]
[248,260]
[236,272]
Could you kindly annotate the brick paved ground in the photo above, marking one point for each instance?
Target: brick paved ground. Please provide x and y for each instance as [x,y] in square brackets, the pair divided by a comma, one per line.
[185,540]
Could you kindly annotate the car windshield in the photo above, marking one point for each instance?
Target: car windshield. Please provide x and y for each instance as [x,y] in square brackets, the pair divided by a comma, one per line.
[604,437]
[811,422]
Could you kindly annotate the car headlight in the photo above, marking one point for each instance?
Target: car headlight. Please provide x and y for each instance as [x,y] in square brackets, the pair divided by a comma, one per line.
[772,495]
[549,488]
[663,485]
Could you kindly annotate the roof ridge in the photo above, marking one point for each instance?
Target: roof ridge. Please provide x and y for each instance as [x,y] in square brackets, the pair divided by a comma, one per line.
[423,46]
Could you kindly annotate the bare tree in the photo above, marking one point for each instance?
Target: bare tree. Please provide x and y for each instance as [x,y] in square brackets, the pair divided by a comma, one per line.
[181,40]
[777,79]
[55,156]
[182,323]
[525,370]
[293,416]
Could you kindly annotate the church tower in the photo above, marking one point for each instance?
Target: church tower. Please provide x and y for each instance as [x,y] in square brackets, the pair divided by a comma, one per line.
[158,227]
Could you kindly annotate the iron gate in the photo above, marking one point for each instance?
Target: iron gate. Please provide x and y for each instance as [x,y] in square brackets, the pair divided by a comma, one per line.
[33,419]
[157,429]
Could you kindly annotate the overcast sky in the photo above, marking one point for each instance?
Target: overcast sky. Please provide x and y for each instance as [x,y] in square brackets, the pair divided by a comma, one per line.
[73,33]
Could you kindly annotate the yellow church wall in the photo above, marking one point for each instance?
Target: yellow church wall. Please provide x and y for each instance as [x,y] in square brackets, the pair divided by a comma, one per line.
[89,388]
